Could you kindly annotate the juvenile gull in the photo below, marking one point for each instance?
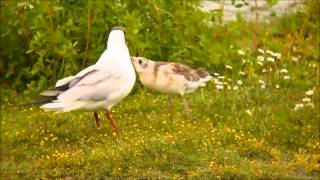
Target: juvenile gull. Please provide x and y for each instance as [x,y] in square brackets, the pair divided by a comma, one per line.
[99,86]
[170,78]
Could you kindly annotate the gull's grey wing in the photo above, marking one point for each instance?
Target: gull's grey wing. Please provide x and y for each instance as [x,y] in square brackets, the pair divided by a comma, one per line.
[66,83]
[96,84]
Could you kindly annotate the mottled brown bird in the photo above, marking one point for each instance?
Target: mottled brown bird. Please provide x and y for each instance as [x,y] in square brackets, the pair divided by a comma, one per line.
[170,78]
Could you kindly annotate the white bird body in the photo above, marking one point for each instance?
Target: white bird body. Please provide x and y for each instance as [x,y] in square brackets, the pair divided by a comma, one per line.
[99,86]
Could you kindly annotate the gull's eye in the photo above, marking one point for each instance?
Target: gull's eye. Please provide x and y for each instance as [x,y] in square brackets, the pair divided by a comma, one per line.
[140,62]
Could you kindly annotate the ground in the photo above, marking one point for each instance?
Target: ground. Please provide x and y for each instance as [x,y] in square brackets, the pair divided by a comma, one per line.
[243,133]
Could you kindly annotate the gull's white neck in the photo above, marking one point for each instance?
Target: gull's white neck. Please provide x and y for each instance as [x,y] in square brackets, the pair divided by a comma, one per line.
[117,54]
[116,38]
[116,48]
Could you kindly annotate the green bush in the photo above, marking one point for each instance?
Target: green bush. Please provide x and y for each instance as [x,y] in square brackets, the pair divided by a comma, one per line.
[45,41]
[42,41]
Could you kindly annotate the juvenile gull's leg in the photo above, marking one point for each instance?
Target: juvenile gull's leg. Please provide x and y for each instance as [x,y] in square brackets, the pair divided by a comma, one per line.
[186,106]
[170,105]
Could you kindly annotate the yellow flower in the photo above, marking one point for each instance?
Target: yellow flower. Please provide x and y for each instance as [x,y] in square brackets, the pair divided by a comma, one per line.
[41,142]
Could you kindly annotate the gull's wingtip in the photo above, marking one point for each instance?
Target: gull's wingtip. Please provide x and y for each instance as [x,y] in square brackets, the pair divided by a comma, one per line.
[41,100]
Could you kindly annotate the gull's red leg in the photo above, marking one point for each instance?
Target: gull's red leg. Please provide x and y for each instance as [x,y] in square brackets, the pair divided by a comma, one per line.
[96,117]
[111,121]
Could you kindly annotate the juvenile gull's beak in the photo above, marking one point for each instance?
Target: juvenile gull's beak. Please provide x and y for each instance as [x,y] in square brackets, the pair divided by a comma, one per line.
[133,59]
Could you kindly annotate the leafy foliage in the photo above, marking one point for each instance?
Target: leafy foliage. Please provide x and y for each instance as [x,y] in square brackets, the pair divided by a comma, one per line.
[45,41]
[50,39]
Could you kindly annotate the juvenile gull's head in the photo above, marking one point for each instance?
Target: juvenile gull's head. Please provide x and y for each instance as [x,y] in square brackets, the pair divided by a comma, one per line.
[142,64]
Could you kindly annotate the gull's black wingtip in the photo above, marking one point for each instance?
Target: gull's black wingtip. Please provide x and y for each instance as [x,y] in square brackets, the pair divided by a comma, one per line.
[39,101]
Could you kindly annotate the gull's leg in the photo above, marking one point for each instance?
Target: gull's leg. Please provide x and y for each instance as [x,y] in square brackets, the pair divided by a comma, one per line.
[186,108]
[111,121]
[96,117]
[170,104]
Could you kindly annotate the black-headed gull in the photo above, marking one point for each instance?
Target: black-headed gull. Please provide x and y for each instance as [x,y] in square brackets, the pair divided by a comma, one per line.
[170,78]
[98,87]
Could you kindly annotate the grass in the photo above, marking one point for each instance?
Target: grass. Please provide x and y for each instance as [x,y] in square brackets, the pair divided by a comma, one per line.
[263,124]
[247,133]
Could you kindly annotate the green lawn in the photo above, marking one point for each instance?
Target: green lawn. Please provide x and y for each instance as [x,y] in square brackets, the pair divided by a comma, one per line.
[246,133]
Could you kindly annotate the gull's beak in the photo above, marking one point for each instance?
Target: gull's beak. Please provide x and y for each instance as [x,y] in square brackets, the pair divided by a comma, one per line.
[119,28]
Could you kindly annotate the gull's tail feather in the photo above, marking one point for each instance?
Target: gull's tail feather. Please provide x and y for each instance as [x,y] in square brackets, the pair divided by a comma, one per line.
[53,106]
[211,73]
[63,106]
